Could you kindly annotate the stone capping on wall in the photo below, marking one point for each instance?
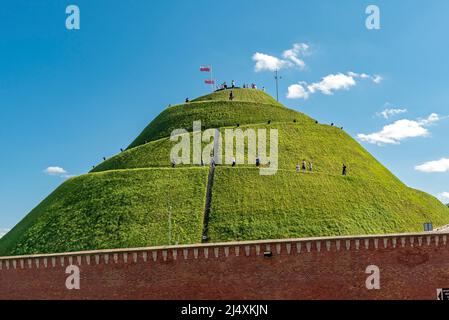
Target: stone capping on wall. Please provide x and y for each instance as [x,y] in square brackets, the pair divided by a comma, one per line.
[226,249]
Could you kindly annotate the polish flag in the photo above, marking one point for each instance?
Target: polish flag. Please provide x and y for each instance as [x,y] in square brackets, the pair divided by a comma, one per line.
[205,69]
[209,81]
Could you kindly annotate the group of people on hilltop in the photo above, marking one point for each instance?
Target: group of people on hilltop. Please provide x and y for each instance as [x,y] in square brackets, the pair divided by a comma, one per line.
[249,86]
[233,85]
[224,86]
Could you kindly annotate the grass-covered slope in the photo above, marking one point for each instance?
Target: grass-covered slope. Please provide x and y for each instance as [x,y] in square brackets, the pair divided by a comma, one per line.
[327,147]
[289,204]
[214,114]
[115,209]
[127,200]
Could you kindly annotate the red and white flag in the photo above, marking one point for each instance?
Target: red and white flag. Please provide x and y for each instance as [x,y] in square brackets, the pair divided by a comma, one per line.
[208,81]
[205,68]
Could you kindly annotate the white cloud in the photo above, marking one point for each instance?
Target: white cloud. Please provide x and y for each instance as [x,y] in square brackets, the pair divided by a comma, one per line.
[441,165]
[377,79]
[297,91]
[394,133]
[328,85]
[358,75]
[267,62]
[400,130]
[388,113]
[3,232]
[55,171]
[294,54]
[331,83]
[444,197]
[291,58]
[430,120]
[58,171]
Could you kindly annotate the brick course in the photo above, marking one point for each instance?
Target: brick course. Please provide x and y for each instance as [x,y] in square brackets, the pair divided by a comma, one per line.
[412,266]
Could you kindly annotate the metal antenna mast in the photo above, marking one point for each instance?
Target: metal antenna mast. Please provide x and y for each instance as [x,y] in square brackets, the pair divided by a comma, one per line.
[277,77]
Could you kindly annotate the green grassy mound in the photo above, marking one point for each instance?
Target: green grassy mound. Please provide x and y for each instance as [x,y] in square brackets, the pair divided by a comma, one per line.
[127,200]
[115,209]
[327,147]
[214,114]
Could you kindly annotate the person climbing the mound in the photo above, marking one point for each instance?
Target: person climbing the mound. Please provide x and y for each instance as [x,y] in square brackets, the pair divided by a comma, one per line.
[231,96]
[345,169]
[310,166]
[304,165]
[187,100]
[233,161]
[298,168]
[257,161]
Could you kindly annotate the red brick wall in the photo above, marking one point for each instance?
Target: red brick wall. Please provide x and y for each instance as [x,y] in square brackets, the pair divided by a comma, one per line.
[411,267]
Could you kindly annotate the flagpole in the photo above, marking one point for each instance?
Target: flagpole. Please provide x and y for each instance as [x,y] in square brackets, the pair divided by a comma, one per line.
[212,80]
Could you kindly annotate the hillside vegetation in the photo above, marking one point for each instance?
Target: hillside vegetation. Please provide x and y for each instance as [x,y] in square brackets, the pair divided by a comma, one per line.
[313,204]
[214,114]
[136,198]
[325,146]
[114,209]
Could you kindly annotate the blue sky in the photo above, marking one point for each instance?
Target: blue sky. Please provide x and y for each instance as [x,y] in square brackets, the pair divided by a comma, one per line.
[70,97]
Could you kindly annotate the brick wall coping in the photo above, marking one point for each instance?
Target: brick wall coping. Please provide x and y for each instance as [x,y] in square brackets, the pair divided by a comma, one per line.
[274,246]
